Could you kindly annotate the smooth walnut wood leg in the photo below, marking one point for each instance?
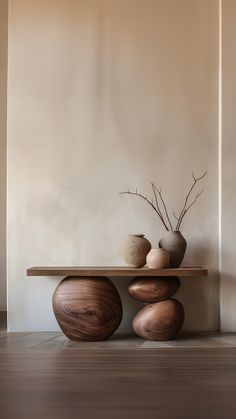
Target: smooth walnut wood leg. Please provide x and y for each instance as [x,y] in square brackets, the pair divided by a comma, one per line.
[164,317]
[87,309]
[154,289]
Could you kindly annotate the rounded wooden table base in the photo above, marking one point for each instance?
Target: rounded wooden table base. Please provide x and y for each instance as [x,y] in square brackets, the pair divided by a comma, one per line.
[159,321]
[87,309]
[152,290]
[164,317]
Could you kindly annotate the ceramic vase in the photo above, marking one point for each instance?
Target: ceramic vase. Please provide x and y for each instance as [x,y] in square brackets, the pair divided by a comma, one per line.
[175,244]
[135,250]
[158,259]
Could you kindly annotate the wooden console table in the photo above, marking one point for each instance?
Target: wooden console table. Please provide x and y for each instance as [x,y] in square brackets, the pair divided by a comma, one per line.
[88,307]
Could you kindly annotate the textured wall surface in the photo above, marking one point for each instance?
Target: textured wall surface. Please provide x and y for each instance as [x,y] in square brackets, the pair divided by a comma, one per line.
[3,145]
[104,96]
[228,277]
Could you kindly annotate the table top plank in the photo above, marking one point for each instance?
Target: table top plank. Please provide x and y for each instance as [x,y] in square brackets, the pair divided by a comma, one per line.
[115,271]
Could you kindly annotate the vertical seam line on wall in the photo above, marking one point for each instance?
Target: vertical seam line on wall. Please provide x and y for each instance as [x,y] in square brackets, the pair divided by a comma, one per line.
[220,155]
[7,285]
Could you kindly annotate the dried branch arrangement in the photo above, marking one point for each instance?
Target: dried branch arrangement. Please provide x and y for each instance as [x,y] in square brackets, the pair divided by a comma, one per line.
[158,204]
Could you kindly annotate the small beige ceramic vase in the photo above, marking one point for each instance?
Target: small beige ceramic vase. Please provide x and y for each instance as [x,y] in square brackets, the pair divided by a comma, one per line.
[135,250]
[158,259]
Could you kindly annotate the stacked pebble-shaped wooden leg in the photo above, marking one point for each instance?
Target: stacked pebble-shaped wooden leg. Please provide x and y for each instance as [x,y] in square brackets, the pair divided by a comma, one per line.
[163,316]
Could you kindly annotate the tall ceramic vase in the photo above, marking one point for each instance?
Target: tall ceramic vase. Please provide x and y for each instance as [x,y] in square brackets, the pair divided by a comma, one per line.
[176,245]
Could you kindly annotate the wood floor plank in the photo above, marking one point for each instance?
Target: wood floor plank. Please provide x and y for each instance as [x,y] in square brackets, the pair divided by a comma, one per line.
[7,335]
[110,383]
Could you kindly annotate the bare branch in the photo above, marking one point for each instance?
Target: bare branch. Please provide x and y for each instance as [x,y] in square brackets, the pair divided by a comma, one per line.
[164,205]
[183,212]
[165,219]
[173,213]
[195,199]
[149,202]
[188,208]
[157,204]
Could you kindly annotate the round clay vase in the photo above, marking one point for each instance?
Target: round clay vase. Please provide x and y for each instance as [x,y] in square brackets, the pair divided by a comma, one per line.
[176,245]
[158,259]
[135,250]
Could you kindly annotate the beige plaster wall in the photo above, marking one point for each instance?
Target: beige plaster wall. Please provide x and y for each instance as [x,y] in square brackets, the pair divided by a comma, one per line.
[3,144]
[107,95]
[228,277]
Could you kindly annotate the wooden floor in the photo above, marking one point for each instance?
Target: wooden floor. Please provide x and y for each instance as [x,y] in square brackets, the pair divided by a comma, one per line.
[43,375]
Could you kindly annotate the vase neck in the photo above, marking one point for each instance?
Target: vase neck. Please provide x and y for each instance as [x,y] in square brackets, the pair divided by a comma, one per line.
[174,231]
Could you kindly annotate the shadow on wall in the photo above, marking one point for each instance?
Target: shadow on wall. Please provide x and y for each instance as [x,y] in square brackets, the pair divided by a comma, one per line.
[198,300]
[228,321]
[130,305]
[200,296]
[198,253]
[228,287]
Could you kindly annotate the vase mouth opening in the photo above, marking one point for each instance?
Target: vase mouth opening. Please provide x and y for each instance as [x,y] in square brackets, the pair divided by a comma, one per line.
[136,235]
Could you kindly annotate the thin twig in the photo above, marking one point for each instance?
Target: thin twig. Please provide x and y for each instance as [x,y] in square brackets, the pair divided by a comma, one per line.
[157,204]
[164,205]
[195,199]
[183,212]
[173,213]
[149,202]
[188,208]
